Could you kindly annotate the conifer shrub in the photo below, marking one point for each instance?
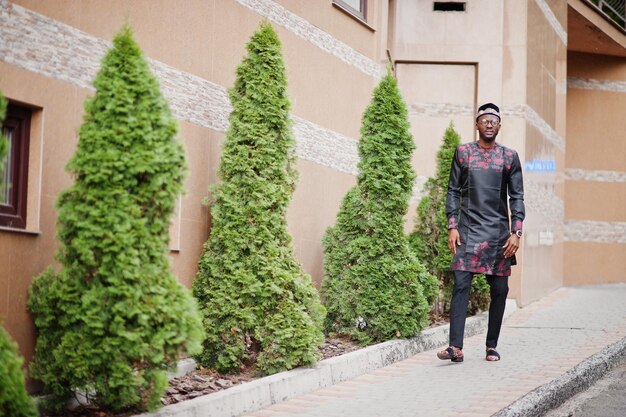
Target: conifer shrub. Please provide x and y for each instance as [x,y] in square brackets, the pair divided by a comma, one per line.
[429,239]
[374,286]
[4,144]
[260,308]
[113,319]
[14,400]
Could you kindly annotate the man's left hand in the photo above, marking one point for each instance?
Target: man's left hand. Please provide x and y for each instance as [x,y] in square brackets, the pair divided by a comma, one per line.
[511,246]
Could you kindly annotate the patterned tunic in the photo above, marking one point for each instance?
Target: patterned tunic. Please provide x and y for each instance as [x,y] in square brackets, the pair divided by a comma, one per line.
[479,182]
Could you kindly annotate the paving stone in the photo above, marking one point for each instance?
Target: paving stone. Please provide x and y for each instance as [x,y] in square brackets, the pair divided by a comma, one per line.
[538,343]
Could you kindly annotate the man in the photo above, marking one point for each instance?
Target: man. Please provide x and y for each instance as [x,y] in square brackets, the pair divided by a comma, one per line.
[480,238]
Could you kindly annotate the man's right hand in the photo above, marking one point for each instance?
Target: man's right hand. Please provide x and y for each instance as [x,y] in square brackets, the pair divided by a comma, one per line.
[454,239]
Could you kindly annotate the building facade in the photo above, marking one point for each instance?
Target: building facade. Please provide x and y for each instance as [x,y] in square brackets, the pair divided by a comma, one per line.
[557,68]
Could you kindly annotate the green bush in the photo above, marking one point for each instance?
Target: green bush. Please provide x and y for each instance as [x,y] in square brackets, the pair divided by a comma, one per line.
[114,318]
[429,240]
[14,400]
[374,288]
[4,144]
[260,308]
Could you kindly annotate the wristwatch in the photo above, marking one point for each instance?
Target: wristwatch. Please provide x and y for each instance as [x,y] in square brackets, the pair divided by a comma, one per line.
[518,233]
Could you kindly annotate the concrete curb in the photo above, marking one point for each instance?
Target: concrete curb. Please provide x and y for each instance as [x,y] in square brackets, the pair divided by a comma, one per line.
[551,395]
[263,392]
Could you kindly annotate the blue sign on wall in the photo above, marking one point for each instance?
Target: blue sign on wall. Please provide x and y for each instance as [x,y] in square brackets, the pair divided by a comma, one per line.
[540,165]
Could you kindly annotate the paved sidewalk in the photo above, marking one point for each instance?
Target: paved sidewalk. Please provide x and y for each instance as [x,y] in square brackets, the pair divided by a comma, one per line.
[538,344]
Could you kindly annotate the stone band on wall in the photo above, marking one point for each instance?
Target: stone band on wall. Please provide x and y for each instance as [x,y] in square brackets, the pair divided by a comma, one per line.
[532,117]
[552,20]
[192,98]
[42,45]
[56,50]
[517,110]
[418,189]
[595,231]
[599,85]
[578,174]
[323,40]
[541,200]
[325,147]
[51,48]
[441,109]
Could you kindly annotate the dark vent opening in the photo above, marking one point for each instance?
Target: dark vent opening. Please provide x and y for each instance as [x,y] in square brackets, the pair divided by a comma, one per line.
[449,6]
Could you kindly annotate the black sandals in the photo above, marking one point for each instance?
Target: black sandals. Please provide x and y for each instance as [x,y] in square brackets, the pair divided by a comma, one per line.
[493,353]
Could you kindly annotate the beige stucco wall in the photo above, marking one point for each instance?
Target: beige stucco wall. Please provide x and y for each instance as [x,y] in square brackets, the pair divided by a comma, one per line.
[596,170]
[24,255]
[511,53]
[545,79]
[330,84]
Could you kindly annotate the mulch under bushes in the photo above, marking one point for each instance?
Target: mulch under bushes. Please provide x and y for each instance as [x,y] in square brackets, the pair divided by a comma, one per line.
[207,381]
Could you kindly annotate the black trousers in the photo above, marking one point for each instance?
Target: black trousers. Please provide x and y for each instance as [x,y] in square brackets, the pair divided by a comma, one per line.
[499,288]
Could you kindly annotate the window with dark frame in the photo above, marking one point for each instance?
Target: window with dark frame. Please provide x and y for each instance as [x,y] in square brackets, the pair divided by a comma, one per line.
[14,183]
[356,8]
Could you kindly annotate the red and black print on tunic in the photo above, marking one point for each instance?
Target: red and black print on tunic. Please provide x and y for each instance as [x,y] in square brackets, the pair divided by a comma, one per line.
[476,205]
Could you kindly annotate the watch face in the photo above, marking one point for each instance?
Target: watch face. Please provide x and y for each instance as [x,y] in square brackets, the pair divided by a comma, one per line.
[518,233]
